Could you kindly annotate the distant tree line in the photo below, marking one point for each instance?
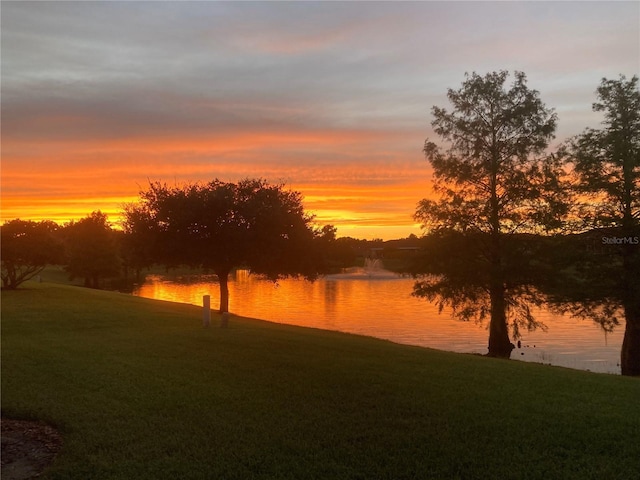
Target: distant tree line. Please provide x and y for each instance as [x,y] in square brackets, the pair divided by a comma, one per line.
[93,250]
[89,249]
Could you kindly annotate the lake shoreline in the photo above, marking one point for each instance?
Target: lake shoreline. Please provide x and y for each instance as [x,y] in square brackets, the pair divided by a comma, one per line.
[379,304]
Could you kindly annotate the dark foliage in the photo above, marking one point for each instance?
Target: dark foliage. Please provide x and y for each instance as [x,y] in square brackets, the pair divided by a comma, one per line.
[27,247]
[459,275]
[91,249]
[221,226]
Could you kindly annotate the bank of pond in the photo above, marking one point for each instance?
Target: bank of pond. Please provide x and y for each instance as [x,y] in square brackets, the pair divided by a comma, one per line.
[378,303]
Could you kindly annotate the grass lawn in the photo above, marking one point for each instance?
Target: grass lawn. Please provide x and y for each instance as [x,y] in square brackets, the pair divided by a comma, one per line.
[140,390]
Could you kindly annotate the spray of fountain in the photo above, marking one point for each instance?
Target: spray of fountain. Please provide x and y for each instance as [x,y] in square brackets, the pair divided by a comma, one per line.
[372,265]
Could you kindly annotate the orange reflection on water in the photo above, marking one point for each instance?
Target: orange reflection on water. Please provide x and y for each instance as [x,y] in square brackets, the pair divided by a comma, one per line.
[380,304]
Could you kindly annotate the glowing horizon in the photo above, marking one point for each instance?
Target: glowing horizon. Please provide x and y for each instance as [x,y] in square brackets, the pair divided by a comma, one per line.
[348,213]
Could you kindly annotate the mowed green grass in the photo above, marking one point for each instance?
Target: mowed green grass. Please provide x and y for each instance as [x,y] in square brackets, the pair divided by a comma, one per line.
[140,390]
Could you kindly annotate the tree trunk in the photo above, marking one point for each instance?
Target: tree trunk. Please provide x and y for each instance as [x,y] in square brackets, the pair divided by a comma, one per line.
[223,278]
[630,355]
[499,344]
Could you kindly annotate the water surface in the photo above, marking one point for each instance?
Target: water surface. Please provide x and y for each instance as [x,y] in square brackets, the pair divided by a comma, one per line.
[379,304]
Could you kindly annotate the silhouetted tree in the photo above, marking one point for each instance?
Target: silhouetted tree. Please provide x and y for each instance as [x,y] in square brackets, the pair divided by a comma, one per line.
[137,245]
[606,163]
[27,247]
[222,226]
[91,249]
[494,181]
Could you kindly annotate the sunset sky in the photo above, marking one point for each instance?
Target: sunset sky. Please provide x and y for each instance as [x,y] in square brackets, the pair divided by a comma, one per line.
[332,99]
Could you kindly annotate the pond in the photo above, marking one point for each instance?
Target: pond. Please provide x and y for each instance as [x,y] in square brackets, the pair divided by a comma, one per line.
[379,304]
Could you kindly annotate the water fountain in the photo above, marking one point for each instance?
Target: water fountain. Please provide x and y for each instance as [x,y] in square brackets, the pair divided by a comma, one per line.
[373,269]
[372,265]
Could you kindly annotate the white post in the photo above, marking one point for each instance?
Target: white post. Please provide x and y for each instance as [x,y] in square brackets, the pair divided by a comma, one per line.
[206,310]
